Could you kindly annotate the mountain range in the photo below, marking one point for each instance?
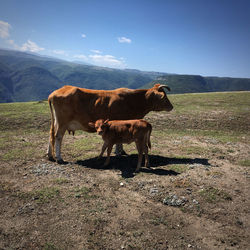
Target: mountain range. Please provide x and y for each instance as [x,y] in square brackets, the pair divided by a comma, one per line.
[31,77]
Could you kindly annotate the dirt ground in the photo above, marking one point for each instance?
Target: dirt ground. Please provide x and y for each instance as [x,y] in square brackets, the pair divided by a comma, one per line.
[195,196]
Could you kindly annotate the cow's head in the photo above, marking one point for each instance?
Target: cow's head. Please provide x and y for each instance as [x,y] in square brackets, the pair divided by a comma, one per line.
[100,126]
[157,97]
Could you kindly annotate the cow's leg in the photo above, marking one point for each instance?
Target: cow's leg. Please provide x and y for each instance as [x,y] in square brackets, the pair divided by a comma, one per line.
[110,146]
[140,155]
[119,150]
[58,142]
[49,152]
[51,146]
[105,145]
[147,165]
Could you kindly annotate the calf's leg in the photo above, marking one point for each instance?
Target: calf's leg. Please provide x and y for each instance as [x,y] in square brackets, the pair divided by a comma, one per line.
[105,145]
[119,150]
[140,155]
[110,146]
[147,165]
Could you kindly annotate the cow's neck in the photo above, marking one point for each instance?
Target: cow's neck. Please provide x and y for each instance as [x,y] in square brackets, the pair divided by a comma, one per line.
[138,104]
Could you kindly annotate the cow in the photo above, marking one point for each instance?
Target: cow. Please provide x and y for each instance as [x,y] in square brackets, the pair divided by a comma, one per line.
[72,108]
[124,131]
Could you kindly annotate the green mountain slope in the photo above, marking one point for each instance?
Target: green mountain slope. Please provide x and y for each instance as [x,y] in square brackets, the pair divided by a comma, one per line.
[33,83]
[197,84]
[30,77]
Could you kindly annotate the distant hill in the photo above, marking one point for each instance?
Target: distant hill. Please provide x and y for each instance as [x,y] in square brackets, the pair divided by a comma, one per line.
[30,77]
[180,84]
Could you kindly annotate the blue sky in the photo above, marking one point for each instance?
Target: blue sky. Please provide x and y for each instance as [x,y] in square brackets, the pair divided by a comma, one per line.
[205,37]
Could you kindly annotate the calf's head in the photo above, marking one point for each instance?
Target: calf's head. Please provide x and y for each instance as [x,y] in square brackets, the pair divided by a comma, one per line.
[157,97]
[100,126]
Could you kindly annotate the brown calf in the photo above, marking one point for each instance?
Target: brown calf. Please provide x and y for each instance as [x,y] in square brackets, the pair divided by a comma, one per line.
[124,131]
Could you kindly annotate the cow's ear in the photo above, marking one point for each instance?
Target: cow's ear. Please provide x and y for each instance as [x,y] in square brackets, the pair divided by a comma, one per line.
[157,85]
[106,121]
[91,124]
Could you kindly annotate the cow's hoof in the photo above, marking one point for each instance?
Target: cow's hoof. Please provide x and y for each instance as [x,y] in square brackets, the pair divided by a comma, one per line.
[106,164]
[51,158]
[123,153]
[60,161]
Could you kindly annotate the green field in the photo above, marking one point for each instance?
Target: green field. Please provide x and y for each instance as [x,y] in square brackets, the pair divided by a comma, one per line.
[200,151]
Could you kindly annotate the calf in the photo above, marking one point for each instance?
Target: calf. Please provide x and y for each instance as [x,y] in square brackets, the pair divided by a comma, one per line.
[124,131]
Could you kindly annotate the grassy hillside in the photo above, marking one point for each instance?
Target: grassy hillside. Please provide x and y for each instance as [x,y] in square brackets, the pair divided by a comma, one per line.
[195,196]
[197,84]
[27,77]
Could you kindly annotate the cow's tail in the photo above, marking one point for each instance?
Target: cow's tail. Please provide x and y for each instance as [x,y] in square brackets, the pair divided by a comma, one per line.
[148,136]
[52,126]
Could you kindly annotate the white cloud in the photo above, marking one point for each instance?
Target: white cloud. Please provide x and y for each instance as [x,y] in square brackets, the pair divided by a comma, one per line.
[83,36]
[31,46]
[124,40]
[59,52]
[96,51]
[107,61]
[81,57]
[28,46]
[4,29]
[11,42]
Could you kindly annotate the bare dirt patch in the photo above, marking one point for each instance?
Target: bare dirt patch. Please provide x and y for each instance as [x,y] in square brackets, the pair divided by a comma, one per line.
[196,196]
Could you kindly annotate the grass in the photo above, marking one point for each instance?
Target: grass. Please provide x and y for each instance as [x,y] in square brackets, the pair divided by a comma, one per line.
[245,163]
[61,181]
[46,194]
[202,102]
[49,246]
[88,204]
[215,174]
[179,168]
[196,150]
[83,192]
[211,194]
[33,120]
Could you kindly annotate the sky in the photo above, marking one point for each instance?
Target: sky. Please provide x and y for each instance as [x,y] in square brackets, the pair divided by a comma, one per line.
[203,37]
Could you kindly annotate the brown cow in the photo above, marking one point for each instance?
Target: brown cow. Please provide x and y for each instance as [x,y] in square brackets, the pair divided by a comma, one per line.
[124,131]
[72,108]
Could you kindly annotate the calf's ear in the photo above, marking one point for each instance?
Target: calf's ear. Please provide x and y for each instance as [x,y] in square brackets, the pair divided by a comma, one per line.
[106,121]
[91,124]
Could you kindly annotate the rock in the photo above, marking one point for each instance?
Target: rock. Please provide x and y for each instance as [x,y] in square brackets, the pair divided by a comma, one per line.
[27,208]
[195,202]
[46,168]
[153,191]
[174,200]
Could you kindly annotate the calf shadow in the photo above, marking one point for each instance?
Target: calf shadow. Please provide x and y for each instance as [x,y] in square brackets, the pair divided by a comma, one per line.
[127,164]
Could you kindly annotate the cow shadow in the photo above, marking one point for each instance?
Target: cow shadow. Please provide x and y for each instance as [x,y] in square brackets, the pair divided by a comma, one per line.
[127,164]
